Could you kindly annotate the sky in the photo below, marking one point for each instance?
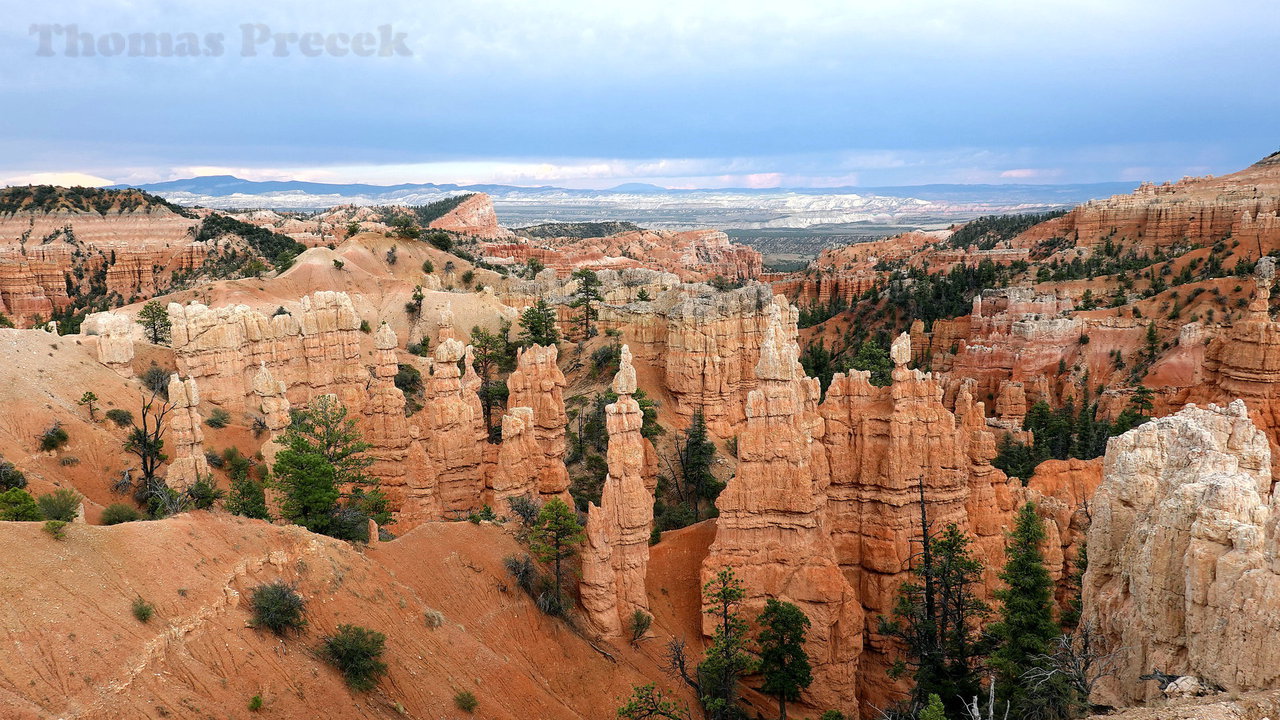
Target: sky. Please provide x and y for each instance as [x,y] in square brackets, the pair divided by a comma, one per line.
[679,93]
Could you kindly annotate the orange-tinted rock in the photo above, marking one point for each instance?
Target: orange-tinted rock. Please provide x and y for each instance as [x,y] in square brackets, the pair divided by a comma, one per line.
[537,383]
[693,255]
[515,472]
[616,556]
[772,528]
[452,424]
[474,216]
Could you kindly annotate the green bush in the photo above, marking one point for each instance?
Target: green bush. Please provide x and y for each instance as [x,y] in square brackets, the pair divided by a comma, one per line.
[278,608]
[56,528]
[121,417]
[255,703]
[204,494]
[60,504]
[428,267]
[356,652]
[466,701]
[143,610]
[10,476]
[53,438]
[117,513]
[219,418]
[638,624]
[156,380]
[18,505]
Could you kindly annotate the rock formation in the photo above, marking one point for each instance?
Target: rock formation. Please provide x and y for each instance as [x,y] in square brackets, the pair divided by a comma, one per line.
[272,401]
[187,464]
[616,556]
[538,383]
[474,216]
[453,424]
[515,473]
[772,529]
[1182,570]
[116,335]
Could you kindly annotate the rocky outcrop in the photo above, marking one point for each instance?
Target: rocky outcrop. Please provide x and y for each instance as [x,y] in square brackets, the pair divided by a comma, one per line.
[1182,570]
[515,472]
[314,352]
[616,556]
[273,404]
[773,523]
[538,384]
[116,333]
[693,255]
[453,425]
[185,438]
[474,216]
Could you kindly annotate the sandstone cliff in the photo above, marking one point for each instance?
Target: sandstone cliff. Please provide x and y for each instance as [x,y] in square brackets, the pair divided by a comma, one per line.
[1182,568]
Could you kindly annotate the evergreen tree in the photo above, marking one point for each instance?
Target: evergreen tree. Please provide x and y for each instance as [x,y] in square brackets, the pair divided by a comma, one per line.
[1025,632]
[874,356]
[696,456]
[538,325]
[726,659]
[555,538]
[936,618]
[247,497]
[585,299]
[323,463]
[493,353]
[154,319]
[783,662]
[934,710]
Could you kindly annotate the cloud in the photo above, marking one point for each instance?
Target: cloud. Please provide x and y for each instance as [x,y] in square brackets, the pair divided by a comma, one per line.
[57,178]
[1031,174]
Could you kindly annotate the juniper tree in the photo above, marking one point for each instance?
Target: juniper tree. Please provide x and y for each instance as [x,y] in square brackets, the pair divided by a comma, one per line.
[538,325]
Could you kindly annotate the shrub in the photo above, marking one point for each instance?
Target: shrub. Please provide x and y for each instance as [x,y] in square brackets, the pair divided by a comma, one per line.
[356,652]
[433,618]
[525,508]
[10,476]
[204,494]
[56,528]
[122,418]
[68,460]
[428,267]
[143,610]
[338,264]
[278,607]
[833,715]
[466,701]
[365,327]
[53,438]
[17,505]
[60,504]
[255,703]
[468,277]
[156,380]
[219,418]
[522,571]
[485,514]
[117,513]
[638,624]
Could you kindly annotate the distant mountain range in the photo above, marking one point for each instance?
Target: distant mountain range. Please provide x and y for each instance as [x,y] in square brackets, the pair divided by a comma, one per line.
[655,206]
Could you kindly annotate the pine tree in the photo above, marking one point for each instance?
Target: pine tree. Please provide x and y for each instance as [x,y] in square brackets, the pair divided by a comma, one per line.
[555,538]
[936,618]
[538,325]
[783,662]
[585,299]
[696,456]
[874,357]
[934,710]
[726,659]
[247,497]
[154,318]
[1025,632]
[493,353]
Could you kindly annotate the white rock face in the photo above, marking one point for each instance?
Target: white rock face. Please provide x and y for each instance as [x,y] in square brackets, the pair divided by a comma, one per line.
[1183,571]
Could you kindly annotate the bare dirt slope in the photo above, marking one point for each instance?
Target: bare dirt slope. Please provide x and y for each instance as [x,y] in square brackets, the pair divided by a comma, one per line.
[74,650]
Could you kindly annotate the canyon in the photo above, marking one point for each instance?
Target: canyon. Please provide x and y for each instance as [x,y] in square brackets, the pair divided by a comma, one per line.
[830,474]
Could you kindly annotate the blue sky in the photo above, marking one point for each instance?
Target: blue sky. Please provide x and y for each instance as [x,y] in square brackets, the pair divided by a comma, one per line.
[680,93]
